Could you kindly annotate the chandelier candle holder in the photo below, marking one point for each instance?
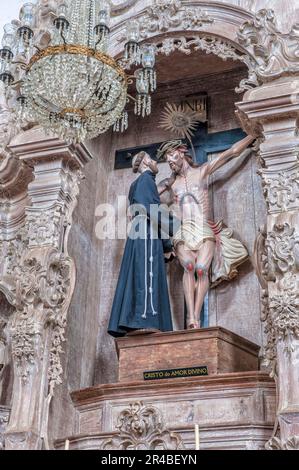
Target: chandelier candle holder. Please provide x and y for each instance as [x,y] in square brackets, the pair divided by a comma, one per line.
[146,81]
[143,101]
[6,54]
[132,47]
[148,63]
[102,28]
[73,87]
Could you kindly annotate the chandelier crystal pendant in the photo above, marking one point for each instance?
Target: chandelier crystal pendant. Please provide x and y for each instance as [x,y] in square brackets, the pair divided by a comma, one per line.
[73,87]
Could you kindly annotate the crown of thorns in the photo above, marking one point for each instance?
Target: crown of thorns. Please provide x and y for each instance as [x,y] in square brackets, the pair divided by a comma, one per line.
[168,147]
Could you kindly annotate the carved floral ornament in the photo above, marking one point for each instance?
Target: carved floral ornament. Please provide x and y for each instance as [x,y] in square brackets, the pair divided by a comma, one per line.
[44,283]
[282,319]
[164,15]
[210,45]
[38,278]
[167,16]
[276,444]
[4,416]
[281,190]
[283,249]
[268,53]
[276,53]
[44,228]
[141,427]
[278,264]
[40,281]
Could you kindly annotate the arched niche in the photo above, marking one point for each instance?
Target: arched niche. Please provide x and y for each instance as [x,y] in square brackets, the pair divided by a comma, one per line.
[208,26]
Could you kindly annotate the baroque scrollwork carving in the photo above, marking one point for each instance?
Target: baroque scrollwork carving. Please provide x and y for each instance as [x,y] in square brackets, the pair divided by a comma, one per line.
[164,15]
[38,278]
[261,264]
[276,444]
[141,428]
[119,7]
[210,45]
[3,348]
[61,283]
[269,352]
[267,52]
[281,189]
[11,252]
[284,308]
[277,261]
[276,53]
[24,331]
[281,244]
[44,283]
[274,113]
[44,227]
[4,416]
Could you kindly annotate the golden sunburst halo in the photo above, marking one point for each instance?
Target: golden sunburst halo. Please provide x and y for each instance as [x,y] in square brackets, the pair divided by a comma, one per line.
[180,120]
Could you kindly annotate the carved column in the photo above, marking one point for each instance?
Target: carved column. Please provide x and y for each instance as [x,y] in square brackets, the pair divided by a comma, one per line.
[44,279]
[4,415]
[272,110]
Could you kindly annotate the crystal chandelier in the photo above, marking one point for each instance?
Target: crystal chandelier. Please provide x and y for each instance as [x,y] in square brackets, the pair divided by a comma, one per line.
[73,87]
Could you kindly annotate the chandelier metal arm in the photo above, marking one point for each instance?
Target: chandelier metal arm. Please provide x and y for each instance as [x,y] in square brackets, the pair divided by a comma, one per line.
[63,38]
[18,62]
[130,97]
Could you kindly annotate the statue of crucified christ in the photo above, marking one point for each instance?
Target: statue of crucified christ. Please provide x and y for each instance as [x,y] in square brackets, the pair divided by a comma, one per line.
[199,241]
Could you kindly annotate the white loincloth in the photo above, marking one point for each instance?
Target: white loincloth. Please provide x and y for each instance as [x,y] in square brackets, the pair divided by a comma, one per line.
[229,252]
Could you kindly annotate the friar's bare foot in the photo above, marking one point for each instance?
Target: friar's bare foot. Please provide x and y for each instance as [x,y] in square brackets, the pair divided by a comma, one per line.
[193,326]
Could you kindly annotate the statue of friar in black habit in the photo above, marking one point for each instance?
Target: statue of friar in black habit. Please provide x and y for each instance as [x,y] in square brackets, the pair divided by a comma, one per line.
[141,299]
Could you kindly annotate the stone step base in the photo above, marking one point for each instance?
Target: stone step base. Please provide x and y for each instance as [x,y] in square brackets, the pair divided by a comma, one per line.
[247,437]
[233,411]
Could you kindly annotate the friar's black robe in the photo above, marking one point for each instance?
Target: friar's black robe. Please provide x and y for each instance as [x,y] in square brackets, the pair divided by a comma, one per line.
[141,298]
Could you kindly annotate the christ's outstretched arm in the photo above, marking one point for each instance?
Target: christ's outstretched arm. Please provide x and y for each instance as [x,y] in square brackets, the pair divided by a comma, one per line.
[234,151]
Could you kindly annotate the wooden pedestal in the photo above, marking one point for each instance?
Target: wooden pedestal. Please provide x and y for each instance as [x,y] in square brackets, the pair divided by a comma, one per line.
[217,348]
[234,405]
